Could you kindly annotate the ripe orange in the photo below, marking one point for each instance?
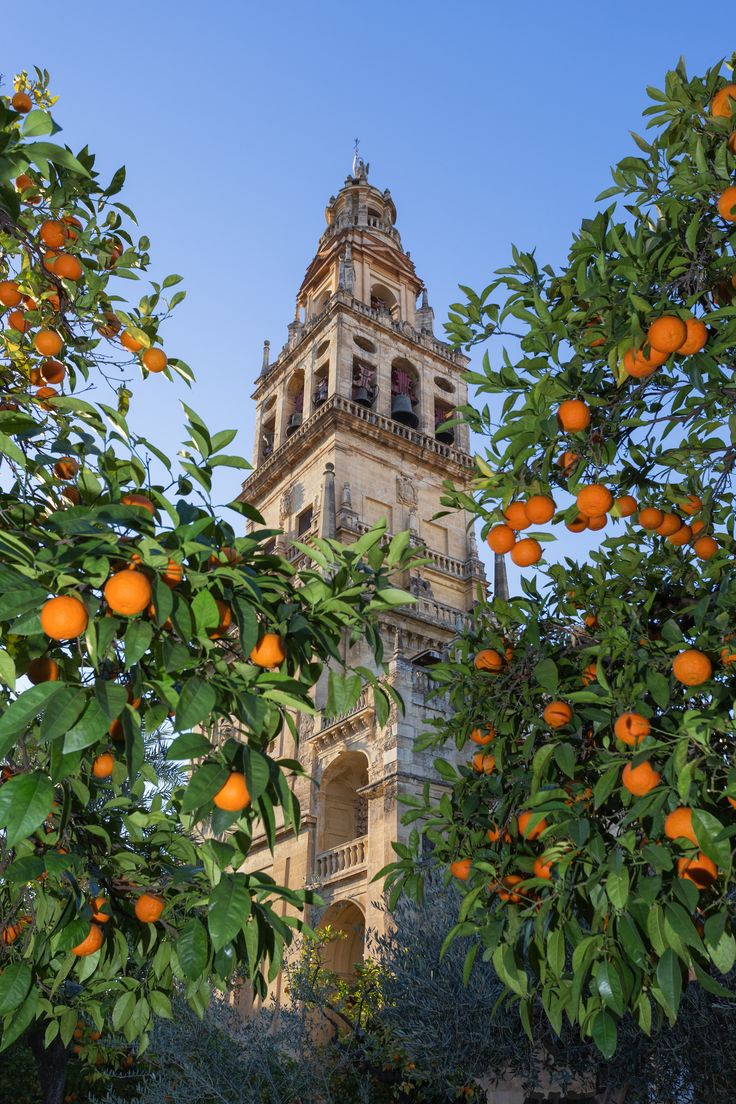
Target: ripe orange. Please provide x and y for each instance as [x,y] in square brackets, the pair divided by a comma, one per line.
[43,670]
[488,660]
[64,617]
[493,834]
[24,183]
[102,765]
[577,525]
[483,763]
[72,495]
[626,505]
[9,294]
[705,548]
[526,552]
[590,673]
[483,736]
[700,869]
[67,267]
[501,539]
[99,903]
[641,365]
[543,869]
[679,824]
[669,524]
[460,868]
[691,505]
[127,592]
[522,824]
[509,882]
[697,337]
[557,714]
[726,204]
[129,342]
[49,260]
[233,796]
[53,371]
[631,728]
[226,617]
[148,907]
[140,501]
[596,523]
[173,574]
[680,536]
[640,780]
[573,415]
[650,517]
[721,106]
[66,468]
[516,516]
[567,462]
[21,102]
[590,621]
[155,360]
[52,234]
[540,509]
[18,322]
[269,651]
[594,500]
[667,334]
[91,943]
[691,667]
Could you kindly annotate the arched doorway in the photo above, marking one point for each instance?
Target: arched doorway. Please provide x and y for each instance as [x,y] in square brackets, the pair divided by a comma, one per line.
[345,952]
[343,811]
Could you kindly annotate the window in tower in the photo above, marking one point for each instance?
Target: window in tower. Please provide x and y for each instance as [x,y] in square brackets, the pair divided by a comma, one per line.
[383,299]
[304,521]
[295,402]
[364,344]
[443,413]
[364,382]
[404,393]
[320,302]
[268,436]
[443,385]
[321,384]
[374,216]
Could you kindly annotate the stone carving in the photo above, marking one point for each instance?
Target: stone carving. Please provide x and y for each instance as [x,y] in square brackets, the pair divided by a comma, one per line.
[347,270]
[285,506]
[406,491]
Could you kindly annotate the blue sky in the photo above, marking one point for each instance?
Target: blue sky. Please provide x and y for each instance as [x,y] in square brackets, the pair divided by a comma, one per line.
[490,123]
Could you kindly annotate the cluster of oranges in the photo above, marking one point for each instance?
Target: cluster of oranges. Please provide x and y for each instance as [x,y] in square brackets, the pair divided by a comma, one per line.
[537,510]
[667,336]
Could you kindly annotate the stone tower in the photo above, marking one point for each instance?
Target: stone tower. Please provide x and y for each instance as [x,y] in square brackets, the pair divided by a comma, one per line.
[348,431]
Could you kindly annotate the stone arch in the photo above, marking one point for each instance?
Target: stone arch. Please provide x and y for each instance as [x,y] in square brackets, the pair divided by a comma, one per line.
[342,811]
[405,392]
[342,955]
[383,298]
[294,402]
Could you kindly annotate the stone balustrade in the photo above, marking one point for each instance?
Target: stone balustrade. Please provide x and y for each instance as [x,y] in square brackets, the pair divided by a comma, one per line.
[342,860]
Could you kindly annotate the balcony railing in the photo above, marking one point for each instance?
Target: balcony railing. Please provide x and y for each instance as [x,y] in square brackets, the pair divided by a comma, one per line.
[343,860]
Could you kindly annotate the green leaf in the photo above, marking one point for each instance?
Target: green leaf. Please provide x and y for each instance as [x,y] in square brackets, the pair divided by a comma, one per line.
[203,785]
[196,701]
[343,692]
[509,973]
[7,669]
[205,612]
[17,1022]
[68,708]
[15,982]
[669,978]
[190,745]
[123,1009]
[565,759]
[228,909]
[138,636]
[112,698]
[25,802]
[707,830]
[192,949]
[609,986]
[37,123]
[89,729]
[392,596]
[23,710]
[38,152]
[546,674]
[617,888]
[605,1034]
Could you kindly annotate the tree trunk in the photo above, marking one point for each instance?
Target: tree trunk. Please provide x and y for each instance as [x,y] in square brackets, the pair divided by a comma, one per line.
[52,1064]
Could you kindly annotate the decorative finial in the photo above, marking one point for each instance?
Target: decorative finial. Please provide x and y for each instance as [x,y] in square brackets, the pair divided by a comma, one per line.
[266,354]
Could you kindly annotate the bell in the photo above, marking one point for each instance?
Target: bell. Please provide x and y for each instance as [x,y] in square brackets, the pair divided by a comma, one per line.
[401,411]
[294,422]
[446,436]
[362,397]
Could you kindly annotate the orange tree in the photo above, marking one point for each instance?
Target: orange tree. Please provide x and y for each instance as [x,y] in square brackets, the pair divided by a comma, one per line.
[135,622]
[591,832]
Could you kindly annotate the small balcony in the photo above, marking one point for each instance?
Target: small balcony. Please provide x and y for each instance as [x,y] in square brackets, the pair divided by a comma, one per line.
[341,861]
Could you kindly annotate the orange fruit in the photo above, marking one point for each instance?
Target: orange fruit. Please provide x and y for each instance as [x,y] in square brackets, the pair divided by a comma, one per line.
[590,621]
[667,334]
[460,868]
[148,907]
[102,765]
[139,500]
[17,321]
[43,670]
[700,869]
[594,500]
[526,552]
[726,204]
[67,267]
[501,539]
[488,660]
[226,617]
[522,824]
[691,505]
[573,415]
[64,617]
[52,371]
[129,342]
[233,796]
[543,869]
[705,548]
[91,943]
[696,339]
[567,462]
[557,714]
[669,524]
[681,536]
[590,673]
[493,834]
[691,667]
[99,903]
[24,183]
[173,574]
[540,509]
[516,516]
[679,824]
[52,234]
[595,523]
[21,102]
[483,736]
[155,360]
[631,728]
[577,525]
[72,495]
[127,592]
[66,468]
[640,365]
[509,882]
[483,763]
[269,651]
[640,780]
[650,517]
[626,505]
[721,106]
[9,294]
[10,933]
[49,260]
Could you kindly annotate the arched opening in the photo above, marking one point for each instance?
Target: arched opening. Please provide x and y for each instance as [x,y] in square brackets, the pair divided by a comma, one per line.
[383,299]
[364,344]
[295,402]
[343,953]
[365,388]
[321,384]
[443,413]
[321,302]
[343,812]
[268,436]
[404,392]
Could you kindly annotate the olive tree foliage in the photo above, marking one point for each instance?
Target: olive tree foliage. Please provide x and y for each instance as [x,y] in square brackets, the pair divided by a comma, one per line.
[616,923]
[83,500]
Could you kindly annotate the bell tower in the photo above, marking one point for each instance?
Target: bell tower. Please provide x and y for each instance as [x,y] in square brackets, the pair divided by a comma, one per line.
[349,430]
